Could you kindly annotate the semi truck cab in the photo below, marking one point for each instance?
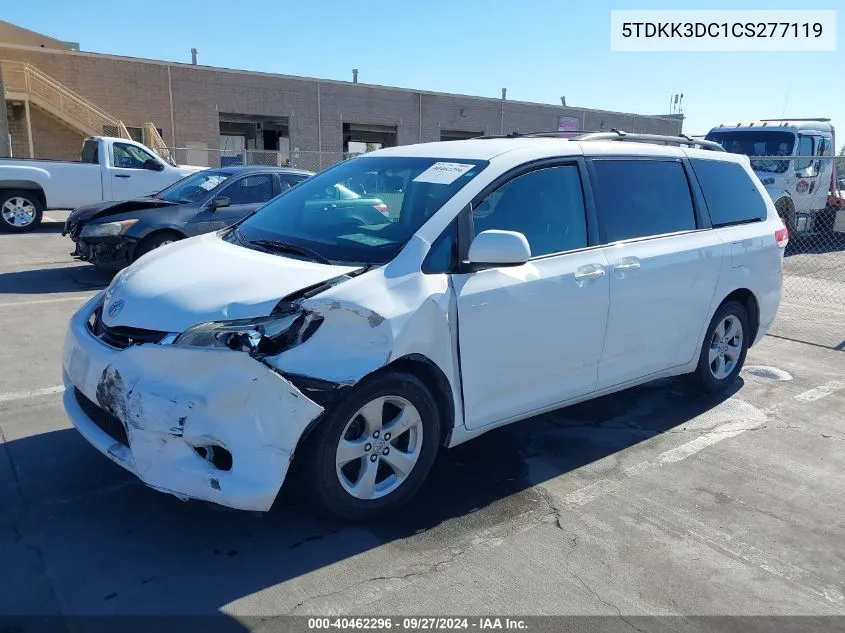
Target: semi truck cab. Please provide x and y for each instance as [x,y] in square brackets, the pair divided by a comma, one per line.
[794,159]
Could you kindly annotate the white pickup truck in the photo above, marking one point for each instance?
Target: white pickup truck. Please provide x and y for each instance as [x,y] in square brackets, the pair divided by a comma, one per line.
[109,169]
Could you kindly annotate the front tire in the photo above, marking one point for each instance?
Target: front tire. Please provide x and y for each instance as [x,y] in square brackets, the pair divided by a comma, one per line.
[20,211]
[374,449]
[724,349]
[154,241]
[786,212]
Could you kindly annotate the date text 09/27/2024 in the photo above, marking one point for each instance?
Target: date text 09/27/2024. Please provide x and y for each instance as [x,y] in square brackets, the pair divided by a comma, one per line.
[416,623]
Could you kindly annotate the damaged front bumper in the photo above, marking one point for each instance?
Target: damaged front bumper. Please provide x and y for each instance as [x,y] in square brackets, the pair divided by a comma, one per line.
[112,253]
[155,410]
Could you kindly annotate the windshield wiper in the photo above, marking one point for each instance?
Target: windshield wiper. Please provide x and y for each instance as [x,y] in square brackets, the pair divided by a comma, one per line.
[286,247]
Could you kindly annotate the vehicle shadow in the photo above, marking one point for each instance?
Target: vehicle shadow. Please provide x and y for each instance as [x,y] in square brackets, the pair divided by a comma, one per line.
[50,227]
[42,281]
[127,550]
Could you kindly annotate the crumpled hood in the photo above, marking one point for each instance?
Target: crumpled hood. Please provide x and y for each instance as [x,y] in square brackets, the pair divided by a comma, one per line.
[206,279]
[104,209]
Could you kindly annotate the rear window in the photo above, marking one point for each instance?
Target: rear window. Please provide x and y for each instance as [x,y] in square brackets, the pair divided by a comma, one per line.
[89,152]
[730,194]
[641,198]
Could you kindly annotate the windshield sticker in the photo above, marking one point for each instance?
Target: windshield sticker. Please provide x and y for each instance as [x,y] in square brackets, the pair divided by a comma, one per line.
[369,240]
[211,183]
[443,173]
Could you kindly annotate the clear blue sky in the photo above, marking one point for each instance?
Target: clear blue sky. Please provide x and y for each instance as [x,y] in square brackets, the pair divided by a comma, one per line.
[538,49]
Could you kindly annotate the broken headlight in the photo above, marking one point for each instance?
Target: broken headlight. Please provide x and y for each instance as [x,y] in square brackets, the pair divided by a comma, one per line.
[263,335]
[109,229]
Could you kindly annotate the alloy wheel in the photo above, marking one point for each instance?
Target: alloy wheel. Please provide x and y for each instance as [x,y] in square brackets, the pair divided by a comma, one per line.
[18,212]
[725,347]
[379,447]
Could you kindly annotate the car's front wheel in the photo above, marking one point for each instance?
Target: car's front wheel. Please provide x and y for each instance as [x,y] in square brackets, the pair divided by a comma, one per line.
[725,346]
[374,449]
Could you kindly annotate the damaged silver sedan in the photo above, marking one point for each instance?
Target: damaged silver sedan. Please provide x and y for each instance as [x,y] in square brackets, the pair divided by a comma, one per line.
[350,341]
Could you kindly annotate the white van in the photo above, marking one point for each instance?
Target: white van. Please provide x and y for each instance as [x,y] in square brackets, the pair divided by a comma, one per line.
[803,182]
[511,276]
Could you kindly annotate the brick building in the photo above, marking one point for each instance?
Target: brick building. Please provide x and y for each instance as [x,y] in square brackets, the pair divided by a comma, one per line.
[206,109]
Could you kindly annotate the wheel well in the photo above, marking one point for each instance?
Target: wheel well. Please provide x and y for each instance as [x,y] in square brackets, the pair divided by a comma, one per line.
[784,205]
[157,233]
[433,378]
[24,185]
[746,298]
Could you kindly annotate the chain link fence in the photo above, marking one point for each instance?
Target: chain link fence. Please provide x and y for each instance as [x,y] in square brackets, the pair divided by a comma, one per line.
[813,301]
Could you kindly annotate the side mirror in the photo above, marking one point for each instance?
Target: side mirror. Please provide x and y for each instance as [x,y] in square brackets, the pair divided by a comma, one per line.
[219,203]
[153,165]
[499,248]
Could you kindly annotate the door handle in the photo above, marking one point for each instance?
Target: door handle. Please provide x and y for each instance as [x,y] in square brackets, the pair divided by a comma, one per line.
[627,263]
[590,271]
[122,176]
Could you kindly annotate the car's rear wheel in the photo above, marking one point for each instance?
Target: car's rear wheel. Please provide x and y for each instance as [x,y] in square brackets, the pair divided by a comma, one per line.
[20,211]
[374,449]
[725,346]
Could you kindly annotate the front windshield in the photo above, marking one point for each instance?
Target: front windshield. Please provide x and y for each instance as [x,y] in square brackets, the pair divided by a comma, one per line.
[194,188]
[758,142]
[361,211]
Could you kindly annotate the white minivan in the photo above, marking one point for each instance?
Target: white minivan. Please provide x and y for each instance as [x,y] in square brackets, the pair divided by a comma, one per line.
[493,279]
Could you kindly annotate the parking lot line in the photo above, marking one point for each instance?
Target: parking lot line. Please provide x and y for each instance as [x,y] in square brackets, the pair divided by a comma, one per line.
[34,301]
[821,392]
[603,486]
[35,393]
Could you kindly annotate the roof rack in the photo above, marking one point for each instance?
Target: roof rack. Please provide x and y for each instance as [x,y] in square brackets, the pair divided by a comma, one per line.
[620,135]
[561,134]
[613,135]
[789,118]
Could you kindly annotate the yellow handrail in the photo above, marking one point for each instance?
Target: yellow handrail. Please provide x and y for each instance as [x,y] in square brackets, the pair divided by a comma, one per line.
[26,78]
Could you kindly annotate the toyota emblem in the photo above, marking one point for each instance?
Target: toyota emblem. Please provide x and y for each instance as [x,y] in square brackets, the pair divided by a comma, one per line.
[115,308]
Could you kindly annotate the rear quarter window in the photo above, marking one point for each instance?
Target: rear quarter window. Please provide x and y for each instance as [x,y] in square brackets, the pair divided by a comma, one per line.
[731,196]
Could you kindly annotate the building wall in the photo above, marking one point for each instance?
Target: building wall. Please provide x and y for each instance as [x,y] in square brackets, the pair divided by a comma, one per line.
[52,139]
[13,34]
[137,91]
[17,129]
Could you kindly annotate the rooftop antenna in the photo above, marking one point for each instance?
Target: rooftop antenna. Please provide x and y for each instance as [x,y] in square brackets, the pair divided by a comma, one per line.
[786,99]
[194,56]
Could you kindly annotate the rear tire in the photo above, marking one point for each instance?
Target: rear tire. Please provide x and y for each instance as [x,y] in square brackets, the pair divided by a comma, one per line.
[20,211]
[724,348]
[154,241]
[354,440]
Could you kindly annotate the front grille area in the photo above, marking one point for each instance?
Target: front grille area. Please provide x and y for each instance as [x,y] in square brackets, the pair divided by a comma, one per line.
[103,419]
[121,337]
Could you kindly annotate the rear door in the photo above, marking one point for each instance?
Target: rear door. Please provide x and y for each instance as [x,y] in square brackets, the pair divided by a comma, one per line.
[664,263]
[530,336]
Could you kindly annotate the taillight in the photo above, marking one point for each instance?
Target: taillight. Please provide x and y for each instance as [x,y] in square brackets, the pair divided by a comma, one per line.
[782,237]
[381,208]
